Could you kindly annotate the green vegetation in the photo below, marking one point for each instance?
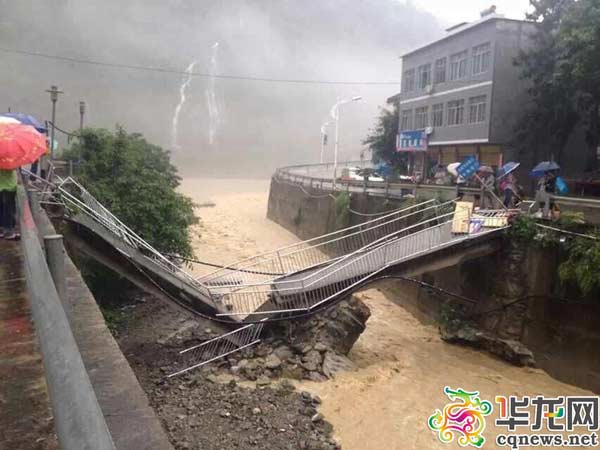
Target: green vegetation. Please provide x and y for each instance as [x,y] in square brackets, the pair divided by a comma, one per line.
[581,260]
[137,182]
[342,213]
[382,140]
[563,68]
[583,264]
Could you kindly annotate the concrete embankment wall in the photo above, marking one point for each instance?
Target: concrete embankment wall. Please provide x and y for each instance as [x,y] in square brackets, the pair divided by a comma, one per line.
[311,212]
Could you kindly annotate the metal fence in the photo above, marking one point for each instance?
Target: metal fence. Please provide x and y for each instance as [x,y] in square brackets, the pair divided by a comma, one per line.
[306,290]
[78,419]
[219,347]
[319,250]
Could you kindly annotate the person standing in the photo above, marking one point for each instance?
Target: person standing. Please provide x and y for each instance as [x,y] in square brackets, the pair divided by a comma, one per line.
[546,189]
[508,187]
[8,192]
[488,182]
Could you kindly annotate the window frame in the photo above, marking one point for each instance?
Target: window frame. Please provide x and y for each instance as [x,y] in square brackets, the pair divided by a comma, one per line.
[408,75]
[455,112]
[440,69]
[460,61]
[422,70]
[421,114]
[408,115]
[481,56]
[478,108]
[440,110]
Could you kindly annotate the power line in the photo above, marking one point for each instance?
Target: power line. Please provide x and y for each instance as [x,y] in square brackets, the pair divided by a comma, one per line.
[191,73]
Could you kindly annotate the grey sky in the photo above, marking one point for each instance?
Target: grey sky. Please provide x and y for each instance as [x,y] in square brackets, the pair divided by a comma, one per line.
[451,12]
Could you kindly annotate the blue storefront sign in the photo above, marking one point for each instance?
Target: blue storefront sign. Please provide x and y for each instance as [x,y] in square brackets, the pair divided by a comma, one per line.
[468,167]
[412,141]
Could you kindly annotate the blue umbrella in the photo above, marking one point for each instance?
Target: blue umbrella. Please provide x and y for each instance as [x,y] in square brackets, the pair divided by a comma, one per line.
[543,167]
[27,120]
[507,168]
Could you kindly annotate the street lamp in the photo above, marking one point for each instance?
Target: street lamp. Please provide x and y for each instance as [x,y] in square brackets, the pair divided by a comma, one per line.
[53,98]
[81,114]
[335,114]
[324,137]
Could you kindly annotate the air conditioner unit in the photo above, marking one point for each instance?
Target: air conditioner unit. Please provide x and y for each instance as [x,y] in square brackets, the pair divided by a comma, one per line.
[428,130]
[429,89]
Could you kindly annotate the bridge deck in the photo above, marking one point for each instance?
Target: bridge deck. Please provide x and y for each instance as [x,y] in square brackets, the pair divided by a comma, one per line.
[25,412]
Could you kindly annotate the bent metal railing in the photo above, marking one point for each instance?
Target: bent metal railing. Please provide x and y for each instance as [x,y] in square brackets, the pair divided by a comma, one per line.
[307,290]
[313,252]
[296,278]
[219,347]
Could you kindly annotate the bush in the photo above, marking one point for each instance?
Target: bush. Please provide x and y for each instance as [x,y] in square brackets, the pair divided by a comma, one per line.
[583,264]
[342,212]
[136,181]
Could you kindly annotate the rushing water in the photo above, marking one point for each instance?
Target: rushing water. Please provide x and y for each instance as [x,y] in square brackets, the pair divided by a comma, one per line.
[182,96]
[211,98]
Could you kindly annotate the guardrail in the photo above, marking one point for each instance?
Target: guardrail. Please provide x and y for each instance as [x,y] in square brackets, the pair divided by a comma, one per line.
[306,176]
[306,254]
[78,419]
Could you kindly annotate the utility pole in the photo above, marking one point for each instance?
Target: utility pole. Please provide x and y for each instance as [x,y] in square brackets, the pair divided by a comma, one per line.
[53,98]
[324,138]
[81,114]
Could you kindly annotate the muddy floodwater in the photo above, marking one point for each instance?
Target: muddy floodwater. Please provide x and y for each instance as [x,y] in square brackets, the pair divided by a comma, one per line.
[402,364]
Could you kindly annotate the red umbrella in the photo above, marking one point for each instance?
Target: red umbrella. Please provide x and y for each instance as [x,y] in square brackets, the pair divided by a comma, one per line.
[20,145]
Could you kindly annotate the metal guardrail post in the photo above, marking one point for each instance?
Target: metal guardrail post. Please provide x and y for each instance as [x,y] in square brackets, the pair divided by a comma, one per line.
[56,264]
[78,419]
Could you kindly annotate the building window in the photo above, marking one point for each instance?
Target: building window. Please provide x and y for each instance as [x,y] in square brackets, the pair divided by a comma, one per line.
[440,71]
[477,106]
[481,58]
[406,121]
[458,65]
[408,80]
[421,118]
[437,115]
[423,76]
[456,112]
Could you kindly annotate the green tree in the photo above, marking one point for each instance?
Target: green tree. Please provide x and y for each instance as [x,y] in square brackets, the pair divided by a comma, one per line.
[136,181]
[579,44]
[563,67]
[382,140]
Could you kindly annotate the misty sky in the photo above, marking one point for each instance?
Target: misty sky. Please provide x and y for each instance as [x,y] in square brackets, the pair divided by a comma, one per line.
[453,12]
[260,125]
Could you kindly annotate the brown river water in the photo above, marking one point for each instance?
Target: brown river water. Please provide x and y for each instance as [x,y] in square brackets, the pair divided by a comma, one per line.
[402,364]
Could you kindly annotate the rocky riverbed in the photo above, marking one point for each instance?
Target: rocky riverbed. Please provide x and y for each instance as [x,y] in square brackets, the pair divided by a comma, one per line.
[211,409]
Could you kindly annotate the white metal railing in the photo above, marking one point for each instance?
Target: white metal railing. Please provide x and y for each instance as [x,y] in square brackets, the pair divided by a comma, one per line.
[77,199]
[305,291]
[301,276]
[304,255]
[219,347]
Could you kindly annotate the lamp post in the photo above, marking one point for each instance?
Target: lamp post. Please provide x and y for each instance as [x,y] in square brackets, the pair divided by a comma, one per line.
[324,138]
[53,98]
[335,114]
[81,114]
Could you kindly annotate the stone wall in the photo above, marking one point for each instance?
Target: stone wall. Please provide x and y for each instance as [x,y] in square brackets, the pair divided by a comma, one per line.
[551,321]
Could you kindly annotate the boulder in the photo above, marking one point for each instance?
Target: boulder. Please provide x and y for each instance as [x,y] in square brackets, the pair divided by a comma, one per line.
[334,364]
[312,361]
[272,361]
[336,330]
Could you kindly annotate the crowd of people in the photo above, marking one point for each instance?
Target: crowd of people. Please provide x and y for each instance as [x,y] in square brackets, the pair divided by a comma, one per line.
[501,187]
